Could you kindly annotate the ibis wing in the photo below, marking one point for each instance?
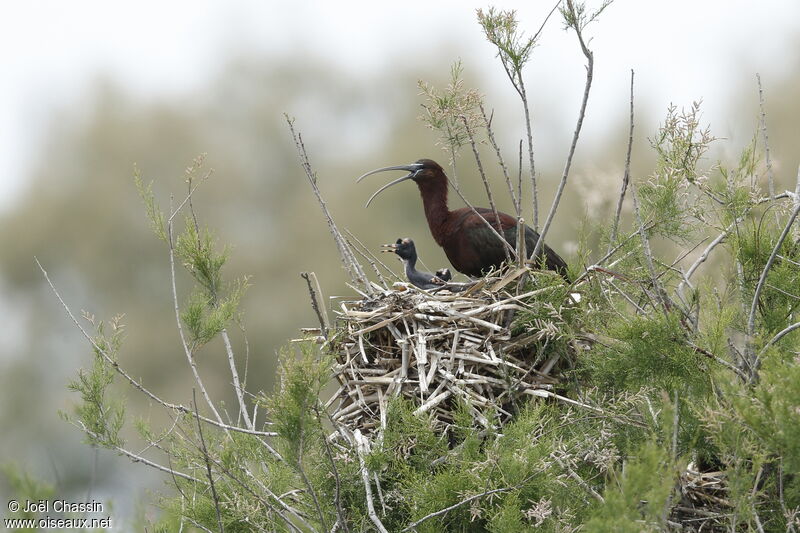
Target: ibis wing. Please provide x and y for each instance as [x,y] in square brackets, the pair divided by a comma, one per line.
[477,248]
[552,260]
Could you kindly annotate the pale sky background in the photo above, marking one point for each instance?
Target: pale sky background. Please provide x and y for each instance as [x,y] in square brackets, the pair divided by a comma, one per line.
[52,51]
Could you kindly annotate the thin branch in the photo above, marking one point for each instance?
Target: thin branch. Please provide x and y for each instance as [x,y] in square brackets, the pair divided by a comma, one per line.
[366,254]
[224,333]
[279,499]
[675,426]
[209,474]
[625,177]
[647,252]
[224,470]
[719,360]
[372,257]
[138,458]
[770,174]
[581,114]
[185,345]
[781,334]
[337,490]
[751,321]
[312,291]
[703,257]
[456,188]
[361,446]
[519,177]
[713,244]
[306,481]
[349,261]
[531,161]
[485,181]
[796,203]
[490,135]
[133,382]
[550,14]
[574,475]
[237,386]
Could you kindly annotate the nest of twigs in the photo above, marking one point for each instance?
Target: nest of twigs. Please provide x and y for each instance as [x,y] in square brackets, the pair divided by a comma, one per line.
[704,505]
[442,349]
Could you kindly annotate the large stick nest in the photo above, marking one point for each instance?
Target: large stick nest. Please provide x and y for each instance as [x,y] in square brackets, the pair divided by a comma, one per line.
[442,349]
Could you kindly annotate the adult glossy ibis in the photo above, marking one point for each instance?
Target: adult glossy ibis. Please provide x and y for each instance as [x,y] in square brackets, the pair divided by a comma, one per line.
[471,247]
[406,250]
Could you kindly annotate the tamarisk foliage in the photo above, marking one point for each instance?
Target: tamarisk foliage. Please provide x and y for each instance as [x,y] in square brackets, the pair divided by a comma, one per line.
[677,404]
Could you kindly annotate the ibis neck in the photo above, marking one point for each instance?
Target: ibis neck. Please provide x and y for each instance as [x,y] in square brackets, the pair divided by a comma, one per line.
[410,265]
[434,200]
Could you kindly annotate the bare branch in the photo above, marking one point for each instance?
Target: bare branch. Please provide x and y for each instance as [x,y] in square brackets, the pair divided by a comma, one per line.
[361,449]
[349,261]
[134,383]
[373,260]
[581,114]
[574,475]
[494,231]
[625,177]
[138,458]
[703,257]
[770,174]
[485,181]
[312,290]
[337,500]
[796,203]
[490,135]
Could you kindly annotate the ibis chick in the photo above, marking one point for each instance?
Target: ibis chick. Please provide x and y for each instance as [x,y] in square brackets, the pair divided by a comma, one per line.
[406,250]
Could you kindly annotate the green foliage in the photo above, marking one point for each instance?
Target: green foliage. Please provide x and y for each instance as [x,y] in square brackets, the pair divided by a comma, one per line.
[205,318]
[24,487]
[755,433]
[501,29]
[576,15]
[754,241]
[196,249]
[452,112]
[679,145]
[154,214]
[636,499]
[100,417]
[303,377]
[649,351]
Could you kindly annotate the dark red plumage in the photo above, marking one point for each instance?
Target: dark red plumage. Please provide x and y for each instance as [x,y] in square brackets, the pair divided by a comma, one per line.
[471,247]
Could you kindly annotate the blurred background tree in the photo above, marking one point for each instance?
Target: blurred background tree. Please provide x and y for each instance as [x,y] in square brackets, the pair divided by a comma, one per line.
[79,213]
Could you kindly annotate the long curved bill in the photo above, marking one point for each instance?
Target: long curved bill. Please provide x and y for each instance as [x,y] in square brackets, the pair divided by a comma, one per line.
[411,169]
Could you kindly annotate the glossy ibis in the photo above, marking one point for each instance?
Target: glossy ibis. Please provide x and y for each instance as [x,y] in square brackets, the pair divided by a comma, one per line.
[471,247]
[406,250]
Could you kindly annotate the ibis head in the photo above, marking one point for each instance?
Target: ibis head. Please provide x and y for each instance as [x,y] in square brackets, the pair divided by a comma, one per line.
[421,171]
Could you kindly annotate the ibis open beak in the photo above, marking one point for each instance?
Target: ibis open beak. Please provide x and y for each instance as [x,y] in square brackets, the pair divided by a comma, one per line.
[389,248]
[411,169]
